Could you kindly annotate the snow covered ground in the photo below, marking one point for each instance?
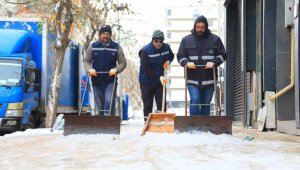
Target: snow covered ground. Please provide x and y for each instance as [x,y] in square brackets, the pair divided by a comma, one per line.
[42,149]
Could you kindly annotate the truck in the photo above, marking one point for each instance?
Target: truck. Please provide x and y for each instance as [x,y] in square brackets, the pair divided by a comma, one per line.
[25,74]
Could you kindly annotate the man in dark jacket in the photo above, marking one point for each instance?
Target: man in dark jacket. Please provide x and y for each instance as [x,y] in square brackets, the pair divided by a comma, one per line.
[103,56]
[154,57]
[201,47]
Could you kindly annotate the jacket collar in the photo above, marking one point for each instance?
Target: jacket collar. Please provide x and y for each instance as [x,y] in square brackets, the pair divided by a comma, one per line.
[108,44]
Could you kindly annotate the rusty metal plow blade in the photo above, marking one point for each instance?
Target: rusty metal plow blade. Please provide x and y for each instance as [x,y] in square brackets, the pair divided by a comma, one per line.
[213,124]
[86,124]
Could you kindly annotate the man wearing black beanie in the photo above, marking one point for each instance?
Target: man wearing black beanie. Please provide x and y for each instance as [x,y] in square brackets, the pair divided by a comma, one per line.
[201,47]
[154,58]
[103,56]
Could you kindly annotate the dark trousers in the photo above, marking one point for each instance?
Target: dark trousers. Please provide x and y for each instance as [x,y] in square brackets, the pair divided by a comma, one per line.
[149,92]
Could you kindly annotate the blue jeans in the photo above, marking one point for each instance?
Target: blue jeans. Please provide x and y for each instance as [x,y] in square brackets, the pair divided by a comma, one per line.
[200,96]
[103,95]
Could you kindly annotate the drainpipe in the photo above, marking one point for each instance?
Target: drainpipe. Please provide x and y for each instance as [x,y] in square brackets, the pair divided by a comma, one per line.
[292,83]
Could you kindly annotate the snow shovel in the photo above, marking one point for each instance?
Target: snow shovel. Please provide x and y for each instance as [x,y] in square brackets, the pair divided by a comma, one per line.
[160,122]
[93,124]
[216,124]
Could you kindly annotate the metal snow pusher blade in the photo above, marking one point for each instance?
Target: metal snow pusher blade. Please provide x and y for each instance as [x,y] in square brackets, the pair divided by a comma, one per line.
[87,124]
[215,124]
[93,124]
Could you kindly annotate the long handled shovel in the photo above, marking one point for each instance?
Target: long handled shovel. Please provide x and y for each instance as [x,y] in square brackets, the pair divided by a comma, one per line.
[160,122]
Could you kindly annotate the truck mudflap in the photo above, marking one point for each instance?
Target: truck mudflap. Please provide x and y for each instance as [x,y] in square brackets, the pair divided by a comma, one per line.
[10,124]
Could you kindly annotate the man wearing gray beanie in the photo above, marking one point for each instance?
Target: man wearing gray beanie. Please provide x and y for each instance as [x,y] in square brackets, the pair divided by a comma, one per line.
[154,57]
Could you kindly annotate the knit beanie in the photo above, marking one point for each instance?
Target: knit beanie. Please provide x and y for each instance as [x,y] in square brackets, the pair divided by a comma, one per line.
[158,34]
[105,28]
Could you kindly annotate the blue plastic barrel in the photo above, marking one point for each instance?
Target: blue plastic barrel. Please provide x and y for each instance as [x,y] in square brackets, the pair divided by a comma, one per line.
[86,97]
[125,104]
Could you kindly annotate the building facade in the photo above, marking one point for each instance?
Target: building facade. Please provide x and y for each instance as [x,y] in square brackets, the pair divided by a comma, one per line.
[262,69]
[180,18]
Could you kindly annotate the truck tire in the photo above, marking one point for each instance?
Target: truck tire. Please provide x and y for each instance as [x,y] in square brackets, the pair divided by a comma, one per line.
[31,123]
[37,119]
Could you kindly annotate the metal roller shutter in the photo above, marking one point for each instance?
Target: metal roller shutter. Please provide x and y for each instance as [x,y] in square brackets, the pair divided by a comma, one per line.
[237,73]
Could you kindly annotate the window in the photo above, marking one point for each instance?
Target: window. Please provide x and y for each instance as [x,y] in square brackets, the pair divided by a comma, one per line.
[13,72]
[178,104]
[169,12]
[30,76]
[169,23]
[29,79]
[209,11]
[196,13]
[169,35]
[210,22]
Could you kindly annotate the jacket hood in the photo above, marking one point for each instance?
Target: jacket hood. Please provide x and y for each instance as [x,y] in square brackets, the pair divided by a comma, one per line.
[203,19]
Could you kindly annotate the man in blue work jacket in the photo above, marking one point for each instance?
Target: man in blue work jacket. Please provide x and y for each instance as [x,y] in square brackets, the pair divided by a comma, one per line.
[154,57]
[103,56]
[201,47]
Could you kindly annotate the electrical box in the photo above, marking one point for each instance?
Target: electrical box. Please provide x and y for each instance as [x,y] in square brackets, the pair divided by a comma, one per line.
[270,111]
[289,13]
[250,103]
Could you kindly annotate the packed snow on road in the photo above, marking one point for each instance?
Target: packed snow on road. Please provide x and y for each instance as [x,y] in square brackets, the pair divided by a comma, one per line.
[43,149]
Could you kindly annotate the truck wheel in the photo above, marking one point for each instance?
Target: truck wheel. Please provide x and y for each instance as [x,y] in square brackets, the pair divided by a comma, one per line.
[31,123]
[37,119]
[42,123]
